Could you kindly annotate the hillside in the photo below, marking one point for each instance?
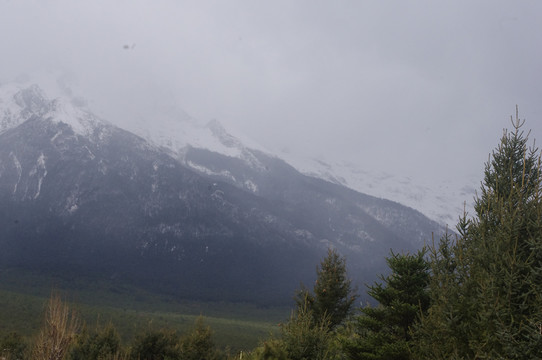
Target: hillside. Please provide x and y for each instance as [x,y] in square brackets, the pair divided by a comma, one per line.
[84,197]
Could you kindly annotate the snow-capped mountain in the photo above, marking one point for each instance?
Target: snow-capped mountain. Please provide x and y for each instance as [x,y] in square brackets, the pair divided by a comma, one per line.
[196,213]
[176,131]
[443,202]
[173,129]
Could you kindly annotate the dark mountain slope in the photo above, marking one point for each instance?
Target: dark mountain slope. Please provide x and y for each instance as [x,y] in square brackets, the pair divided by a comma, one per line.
[120,208]
[334,212]
[81,197]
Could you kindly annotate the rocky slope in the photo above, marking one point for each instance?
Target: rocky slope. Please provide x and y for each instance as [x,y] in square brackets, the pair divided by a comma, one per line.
[81,196]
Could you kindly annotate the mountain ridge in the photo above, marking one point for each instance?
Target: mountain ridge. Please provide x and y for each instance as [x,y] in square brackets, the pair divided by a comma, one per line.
[79,194]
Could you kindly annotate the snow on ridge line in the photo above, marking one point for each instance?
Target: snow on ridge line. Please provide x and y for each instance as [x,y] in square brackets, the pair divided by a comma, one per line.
[170,128]
[12,105]
[174,130]
[81,120]
[443,202]
[18,102]
[177,133]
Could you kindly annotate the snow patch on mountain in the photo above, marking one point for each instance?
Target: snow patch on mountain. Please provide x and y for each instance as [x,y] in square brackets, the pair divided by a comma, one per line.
[172,129]
[207,171]
[251,186]
[175,132]
[20,101]
[18,168]
[82,121]
[165,125]
[72,202]
[41,171]
[443,202]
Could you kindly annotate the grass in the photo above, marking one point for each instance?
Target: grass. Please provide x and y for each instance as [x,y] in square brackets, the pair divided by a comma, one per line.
[24,297]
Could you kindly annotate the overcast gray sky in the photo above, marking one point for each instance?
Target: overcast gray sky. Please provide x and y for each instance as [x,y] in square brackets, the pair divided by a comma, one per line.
[421,88]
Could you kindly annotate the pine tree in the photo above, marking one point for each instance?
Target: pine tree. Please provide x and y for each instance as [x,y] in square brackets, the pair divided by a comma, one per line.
[443,332]
[333,295]
[155,345]
[303,337]
[104,343]
[271,349]
[198,344]
[489,304]
[383,332]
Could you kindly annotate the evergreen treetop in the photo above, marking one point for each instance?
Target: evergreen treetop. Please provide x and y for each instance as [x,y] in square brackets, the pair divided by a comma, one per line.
[486,288]
[384,332]
[332,296]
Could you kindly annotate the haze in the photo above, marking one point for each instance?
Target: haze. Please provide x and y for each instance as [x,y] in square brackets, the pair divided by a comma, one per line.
[418,88]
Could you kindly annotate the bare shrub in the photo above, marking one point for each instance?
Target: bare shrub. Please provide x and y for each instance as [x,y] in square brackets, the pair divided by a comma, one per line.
[58,331]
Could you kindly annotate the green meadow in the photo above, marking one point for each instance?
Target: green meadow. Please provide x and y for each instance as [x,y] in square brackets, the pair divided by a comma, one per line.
[235,326]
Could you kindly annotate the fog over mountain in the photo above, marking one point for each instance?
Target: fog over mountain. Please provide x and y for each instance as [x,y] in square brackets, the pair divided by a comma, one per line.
[410,93]
[171,144]
[82,197]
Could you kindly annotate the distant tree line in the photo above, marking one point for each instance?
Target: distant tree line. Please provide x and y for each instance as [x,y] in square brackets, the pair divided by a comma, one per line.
[476,294]
[63,337]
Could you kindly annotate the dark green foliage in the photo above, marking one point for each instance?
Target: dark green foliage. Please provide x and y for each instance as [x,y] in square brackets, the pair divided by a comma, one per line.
[303,337]
[444,334]
[198,344]
[239,326]
[12,346]
[167,345]
[102,344]
[487,286]
[270,350]
[156,345]
[310,331]
[383,332]
[332,296]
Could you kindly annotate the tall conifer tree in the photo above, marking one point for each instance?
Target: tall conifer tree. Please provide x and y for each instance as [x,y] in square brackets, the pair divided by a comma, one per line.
[488,303]
[383,332]
[333,295]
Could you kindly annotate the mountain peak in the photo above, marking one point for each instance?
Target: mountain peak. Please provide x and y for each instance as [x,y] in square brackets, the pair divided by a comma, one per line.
[82,121]
[18,104]
[31,98]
